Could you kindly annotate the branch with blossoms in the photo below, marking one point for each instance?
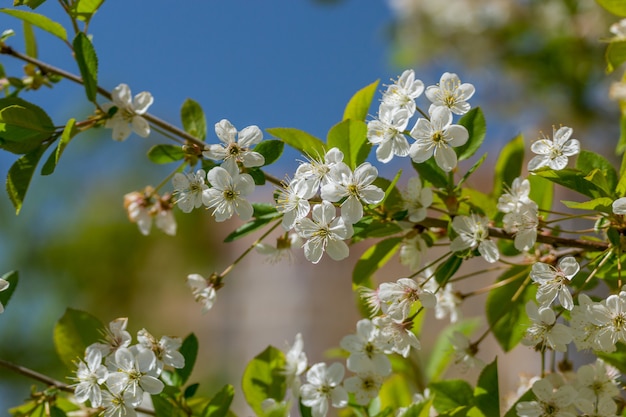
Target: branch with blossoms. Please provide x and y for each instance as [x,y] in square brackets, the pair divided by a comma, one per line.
[336,198]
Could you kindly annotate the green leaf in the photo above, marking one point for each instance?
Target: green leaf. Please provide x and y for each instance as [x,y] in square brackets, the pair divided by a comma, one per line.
[261,217]
[615,55]
[68,133]
[23,126]
[41,21]
[220,403]
[451,394]
[617,7]
[30,43]
[442,351]
[84,9]
[264,378]
[487,393]
[165,154]
[616,358]
[528,396]
[374,258]
[270,149]
[429,171]
[506,307]
[350,137]
[304,142]
[87,64]
[447,269]
[163,407]
[541,192]
[189,350]
[588,162]
[474,122]
[574,180]
[470,171]
[33,4]
[193,119]
[396,392]
[621,143]
[55,411]
[73,333]
[603,204]
[509,165]
[19,176]
[12,278]
[359,105]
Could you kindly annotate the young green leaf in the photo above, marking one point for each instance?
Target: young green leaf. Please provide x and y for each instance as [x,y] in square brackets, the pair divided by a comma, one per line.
[429,171]
[506,307]
[264,378]
[474,122]
[30,43]
[12,278]
[589,161]
[304,142]
[73,333]
[359,105]
[164,154]
[541,192]
[374,258]
[447,269]
[350,137]
[451,394]
[615,55]
[33,4]
[220,403]
[20,175]
[87,64]
[603,204]
[271,150]
[41,21]
[23,126]
[574,180]
[617,7]
[69,132]
[442,353]
[194,121]
[262,215]
[487,390]
[84,9]
[509,165]
[189,350]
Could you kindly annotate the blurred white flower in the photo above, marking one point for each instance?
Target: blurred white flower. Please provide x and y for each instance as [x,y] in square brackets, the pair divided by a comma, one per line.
[203,290]
[188,188]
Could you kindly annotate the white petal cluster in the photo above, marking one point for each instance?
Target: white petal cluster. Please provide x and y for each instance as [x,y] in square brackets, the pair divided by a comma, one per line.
[324,385]
[553,153]
[283,249]
[416,199]
[145,207]
[387,132]
[367,349]
[553,281]
[295,365]
[403,92]
[227,194]
[235,146]
[545,332]
[188,189]
[473,232]
[450,93]
[115,374]
[550,401]
[203,290]
[521,216]
[128,118]
[398,298]
[411,252]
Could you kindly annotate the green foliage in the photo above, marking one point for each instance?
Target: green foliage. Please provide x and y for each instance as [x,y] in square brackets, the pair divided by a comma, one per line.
[33,4]
[574,180]
[487,393]
[602,204]
[506,306]
[23,126]
[20,175]
[304,142]
[396,392]
[442,351]
[69,132]
[616,359]
[474,122]
[350,137]
[528,396]
[451,396]
[85,9]
[38,20]
[615,55]
[617,7]
[374,258]
[12,278]
[541,192]
[193,119]
[447,269]
[30,43]
[220,403]
[73,333]
[359,105]
[165,154]
[429,171]
[262,215]
[189,350]
[87,64]
[271,150]
[264,378]
[508,166]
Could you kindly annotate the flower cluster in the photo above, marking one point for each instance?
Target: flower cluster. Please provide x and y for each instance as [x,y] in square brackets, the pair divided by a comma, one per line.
[521,216]
[115,374]
[434,136]
[144,207]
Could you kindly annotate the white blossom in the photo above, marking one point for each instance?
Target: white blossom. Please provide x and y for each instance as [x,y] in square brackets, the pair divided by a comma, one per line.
[522,222]
[388,132]
[143,208]
[134,374]
[516,197]
[553,153]
[550,402]
[612,314]
[364,385]
[473,232]
[397,298]
[295,365]
[188,188]
[367,349]
[324,232]
[282,250]
[292,200]
[437,137]
[598,381]
[618,29]
[227,194]
[203,290]
[398,334]
[118,405]
[411,252]
[115,337]
[553,281]
[545,332]
[165,350]
[416,200]
[451,93]
[235,146]
[448,301]
[585,321]
[354,187]
[315,172]
[403,92]
[465,352]
[90,374]
[619,206]
[128,118]
[324,385]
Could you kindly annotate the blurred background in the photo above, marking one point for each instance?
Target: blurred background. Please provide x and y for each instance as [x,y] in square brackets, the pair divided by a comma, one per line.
[281,63]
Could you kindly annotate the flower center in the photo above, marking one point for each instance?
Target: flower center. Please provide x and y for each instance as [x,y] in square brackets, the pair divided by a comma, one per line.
[234,150]
[438,137]
[353,190]
[230,195]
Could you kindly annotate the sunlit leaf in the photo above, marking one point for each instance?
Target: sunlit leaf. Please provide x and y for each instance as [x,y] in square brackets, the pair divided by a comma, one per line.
[374,258]
[270,149]
[23,126]
[487,390]
[193,119]
[451,394]
[617,7]
[509,165]
[220,403]
[306,143]
[69,132]
[41,21]
[264,378]
[359,104]
[165,154]
[474,122]
[73,333]
[84,9]
[350,137]
[189,350]
[87,64]
[20,175]
[615,55]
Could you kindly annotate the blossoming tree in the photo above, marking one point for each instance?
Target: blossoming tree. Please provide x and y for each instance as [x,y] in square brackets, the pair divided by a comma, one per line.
[336,198]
